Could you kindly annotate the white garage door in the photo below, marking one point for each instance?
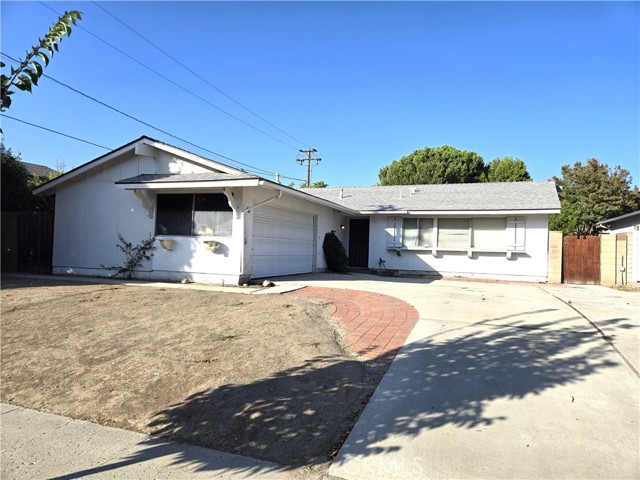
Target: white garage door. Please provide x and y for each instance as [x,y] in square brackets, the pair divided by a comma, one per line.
[282,242]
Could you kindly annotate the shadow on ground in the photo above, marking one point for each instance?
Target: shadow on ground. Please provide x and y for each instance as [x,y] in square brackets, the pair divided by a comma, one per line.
[454,375]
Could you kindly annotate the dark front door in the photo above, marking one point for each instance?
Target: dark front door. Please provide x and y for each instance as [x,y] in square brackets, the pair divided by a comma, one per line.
[359,242]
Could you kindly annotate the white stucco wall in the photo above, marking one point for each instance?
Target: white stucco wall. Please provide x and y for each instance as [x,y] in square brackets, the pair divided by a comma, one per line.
[530,265]
[91,210]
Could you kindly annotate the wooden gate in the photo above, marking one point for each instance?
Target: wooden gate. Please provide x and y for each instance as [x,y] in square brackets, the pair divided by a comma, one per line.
[581,260]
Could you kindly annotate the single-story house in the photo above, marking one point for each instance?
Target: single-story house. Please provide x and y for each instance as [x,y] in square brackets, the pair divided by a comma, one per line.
[217,223]
[483,230]
[628,224]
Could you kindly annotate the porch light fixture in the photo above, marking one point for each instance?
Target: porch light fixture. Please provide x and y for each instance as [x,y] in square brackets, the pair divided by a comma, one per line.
[342,227]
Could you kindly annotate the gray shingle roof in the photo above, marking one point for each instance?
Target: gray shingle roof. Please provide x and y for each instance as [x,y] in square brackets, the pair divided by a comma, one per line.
[450,197]
[185,177]
[36,170]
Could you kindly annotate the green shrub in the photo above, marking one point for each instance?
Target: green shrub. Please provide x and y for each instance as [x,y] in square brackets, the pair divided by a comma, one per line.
[335,254]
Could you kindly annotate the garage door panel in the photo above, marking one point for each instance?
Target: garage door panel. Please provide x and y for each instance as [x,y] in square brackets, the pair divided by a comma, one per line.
[288,248]
[283,242]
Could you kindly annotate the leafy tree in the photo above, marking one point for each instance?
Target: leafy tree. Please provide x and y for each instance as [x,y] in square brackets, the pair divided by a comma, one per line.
[14,178]
[506,169]
[434,165]
[30,69]
[318,184]
[590,193]
[17,185]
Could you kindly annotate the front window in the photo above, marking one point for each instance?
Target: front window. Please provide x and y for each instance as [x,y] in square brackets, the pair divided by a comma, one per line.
[193,214]
[418,232]
[453,233]
[489,233]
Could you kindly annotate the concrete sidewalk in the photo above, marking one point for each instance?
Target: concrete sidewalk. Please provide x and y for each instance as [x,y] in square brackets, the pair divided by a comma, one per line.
[38,445]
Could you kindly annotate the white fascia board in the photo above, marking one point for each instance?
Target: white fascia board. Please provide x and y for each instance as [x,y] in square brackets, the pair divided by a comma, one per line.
[192,157]
[82,169]
[306,196]
[474,213]
[250,182]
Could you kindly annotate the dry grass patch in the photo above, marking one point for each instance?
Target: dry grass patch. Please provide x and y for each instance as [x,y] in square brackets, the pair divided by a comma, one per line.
[263,376]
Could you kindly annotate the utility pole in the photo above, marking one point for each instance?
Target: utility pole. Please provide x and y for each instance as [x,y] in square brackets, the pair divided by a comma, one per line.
[308,159]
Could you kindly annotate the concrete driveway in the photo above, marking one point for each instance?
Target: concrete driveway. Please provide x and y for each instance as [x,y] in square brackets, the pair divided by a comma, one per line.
[502,381]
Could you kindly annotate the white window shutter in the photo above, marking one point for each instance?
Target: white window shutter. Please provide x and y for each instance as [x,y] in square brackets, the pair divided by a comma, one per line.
[516,229]
[394,232]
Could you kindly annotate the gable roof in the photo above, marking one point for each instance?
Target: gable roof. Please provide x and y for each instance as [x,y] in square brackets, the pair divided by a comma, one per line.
[518,197]
[139,146]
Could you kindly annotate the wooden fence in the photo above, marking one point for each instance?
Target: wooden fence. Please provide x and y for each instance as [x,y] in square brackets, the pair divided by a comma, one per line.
[27,241]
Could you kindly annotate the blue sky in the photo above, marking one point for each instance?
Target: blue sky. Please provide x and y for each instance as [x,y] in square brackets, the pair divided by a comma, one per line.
[364,83]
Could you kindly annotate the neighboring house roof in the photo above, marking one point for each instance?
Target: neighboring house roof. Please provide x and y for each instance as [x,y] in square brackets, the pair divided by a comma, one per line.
[621,217]
[36,170]
[540,197]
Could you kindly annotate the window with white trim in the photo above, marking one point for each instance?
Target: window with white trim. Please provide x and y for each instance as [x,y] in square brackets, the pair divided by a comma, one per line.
[187,214]
[489,233]
[454,233]
[418,232]
[479,234]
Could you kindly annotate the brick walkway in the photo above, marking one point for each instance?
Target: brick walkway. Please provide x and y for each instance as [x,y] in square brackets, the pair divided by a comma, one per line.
[376,326]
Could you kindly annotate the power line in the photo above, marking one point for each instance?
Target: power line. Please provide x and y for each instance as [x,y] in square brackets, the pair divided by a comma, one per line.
[55,131]
[251,168]
[142,121]
[195,73]
[175,83]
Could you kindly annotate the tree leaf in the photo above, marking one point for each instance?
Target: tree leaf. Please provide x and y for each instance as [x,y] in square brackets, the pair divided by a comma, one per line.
[43,57]
[24,83]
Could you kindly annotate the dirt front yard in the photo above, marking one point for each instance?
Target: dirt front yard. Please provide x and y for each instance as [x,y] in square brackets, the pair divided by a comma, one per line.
[257,375]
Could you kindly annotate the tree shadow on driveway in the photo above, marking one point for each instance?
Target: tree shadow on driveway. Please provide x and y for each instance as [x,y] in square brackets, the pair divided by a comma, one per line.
[300,416]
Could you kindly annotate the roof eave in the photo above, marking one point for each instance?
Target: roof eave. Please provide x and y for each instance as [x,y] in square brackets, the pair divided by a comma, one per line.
[462,212]
[49,187]
[306,196]
[621,217]
[137,146]
[202,161]
[246,182]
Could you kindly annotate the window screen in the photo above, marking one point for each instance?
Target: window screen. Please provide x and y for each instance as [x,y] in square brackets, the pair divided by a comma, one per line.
[212,215]
[425,232]
[174,214]
[188,214]
[453,233]
[490,233]
[410,232]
